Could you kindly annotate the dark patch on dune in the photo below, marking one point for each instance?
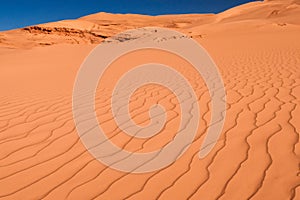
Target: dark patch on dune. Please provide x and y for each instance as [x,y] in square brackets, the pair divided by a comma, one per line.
[62,31]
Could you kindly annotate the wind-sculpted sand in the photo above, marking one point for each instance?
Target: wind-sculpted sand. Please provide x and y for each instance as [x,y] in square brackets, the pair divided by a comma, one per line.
[256,157]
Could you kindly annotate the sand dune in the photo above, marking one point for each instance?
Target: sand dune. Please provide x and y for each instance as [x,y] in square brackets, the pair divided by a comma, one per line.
[276,11]
[257,49]
[94,28]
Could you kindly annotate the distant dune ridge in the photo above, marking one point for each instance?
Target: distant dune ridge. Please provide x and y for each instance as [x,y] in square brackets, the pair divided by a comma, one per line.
[94,28]
[256,47]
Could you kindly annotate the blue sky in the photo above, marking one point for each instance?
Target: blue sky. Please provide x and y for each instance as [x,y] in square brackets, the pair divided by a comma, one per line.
[20,13]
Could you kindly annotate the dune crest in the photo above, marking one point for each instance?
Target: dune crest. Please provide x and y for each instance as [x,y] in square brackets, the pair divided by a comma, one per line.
[92,29]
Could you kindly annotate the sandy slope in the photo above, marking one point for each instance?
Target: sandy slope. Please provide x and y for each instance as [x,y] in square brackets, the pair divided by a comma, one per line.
[257,49]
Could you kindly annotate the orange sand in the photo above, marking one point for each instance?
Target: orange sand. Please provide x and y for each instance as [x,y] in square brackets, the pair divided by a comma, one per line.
[257,49]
